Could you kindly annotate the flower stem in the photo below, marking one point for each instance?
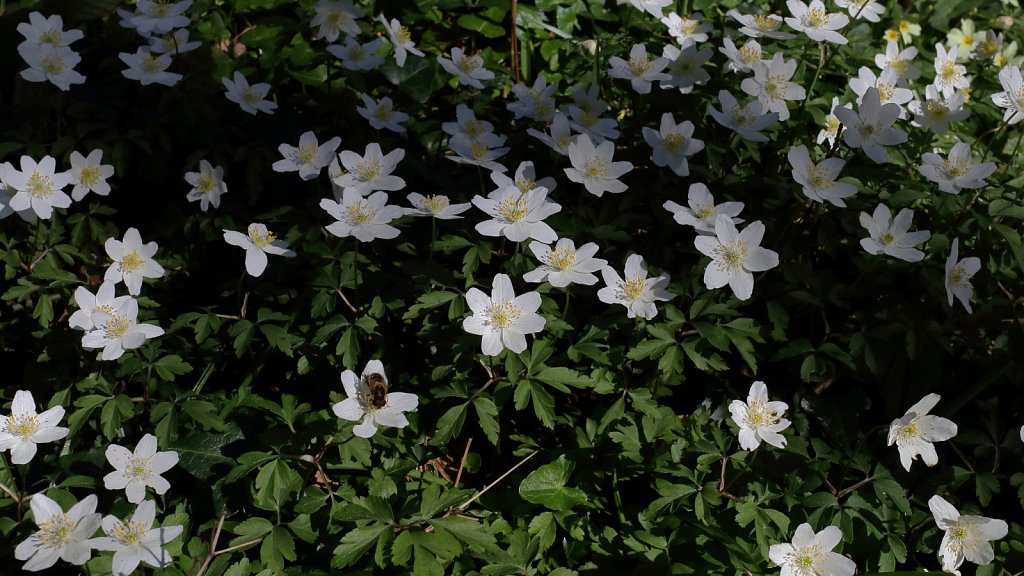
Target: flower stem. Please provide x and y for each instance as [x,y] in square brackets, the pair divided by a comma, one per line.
[822,64]
[565,307]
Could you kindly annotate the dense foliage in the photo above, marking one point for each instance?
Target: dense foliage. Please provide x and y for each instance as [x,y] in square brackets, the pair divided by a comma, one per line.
[607,445]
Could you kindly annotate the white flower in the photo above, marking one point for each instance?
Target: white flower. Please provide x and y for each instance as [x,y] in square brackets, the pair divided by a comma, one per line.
[653,7]
[371,171]
[536,103]
[356,56]
[309,158]
[559,135]
[966,537]
[118,331]
[39,187]
[468,69]
[870,127]
[88,304]
[249,98]
[585,113]
[819,180]
[135,540]
[592,166]
[565,264]
[955,172]
[48,30]
[381,114]
[685,67]
[759,418]
[369,400]
[207,185]
[831,130]
[959,274]
[949,76]
[334,17]
[51,64]
[149,68]
[133,471]
[477,154]
[636,292]
[258,242]
[734,255]
[811,554]
[435,205]
[886,85]
[771,85]
[88,175]
[869,10]
[1012,96]
[364,218]
[741,59]
[915,432]
[133,261]
[468,130]
[503,319]
[814,21]
[173,43]
[639,70]
[517,215]
[936,112]
[901,60]
[673,144]
[60,535]
[760,25]
[686,30]
[24,428]
[703,211]
[890,236]
[747,121]
[524,181]
[159,16]
[400,39]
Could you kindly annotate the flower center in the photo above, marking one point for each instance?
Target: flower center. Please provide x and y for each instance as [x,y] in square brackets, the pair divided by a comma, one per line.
[955,167]
[139,469]
[525,184]
[403,35]
[130,262]
[987,49]
[741,117]
[688,26]
[765,24]
[910,430]
[90,175]
[367,170]
[129,532]
[750,53]
[705,213]
[674,142]
[474,128]
[337,19]
[116,326]
[150,64]
[634,287]
[206,184]
[887,238]
[885,91]
[261,239]
[817,17]
[832,125]
[383,112]
[562,258]
[356,52]
[468,64]
[305,153]
[967,40]
[40,185]
[867,129]
[23,425]
[775,87]
[502,314]
[595,168]
[732,255]
[639,66]
[55,532]
[937,109]
[514,208]
[904,26]
[105,308]
[53,64]
[900,64]
[950,72]
[52,36]
[250,97]
[434,203]
[360,212]
[478,151]
[816,176]
[158,10]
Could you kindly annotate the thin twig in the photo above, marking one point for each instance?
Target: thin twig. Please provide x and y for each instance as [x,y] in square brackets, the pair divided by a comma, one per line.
[11,492]
[462,463]
[345,300]
[213,544]
[846,491]
[515,44]
[463,506]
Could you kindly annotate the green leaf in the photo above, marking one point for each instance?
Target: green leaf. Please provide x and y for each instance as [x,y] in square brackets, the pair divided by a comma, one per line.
[204,413]
[450,424]
[355,543]
[487,415]
[477,24]
[473,533]
[278,547]
[170,366]
[546,486]
[561,377]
